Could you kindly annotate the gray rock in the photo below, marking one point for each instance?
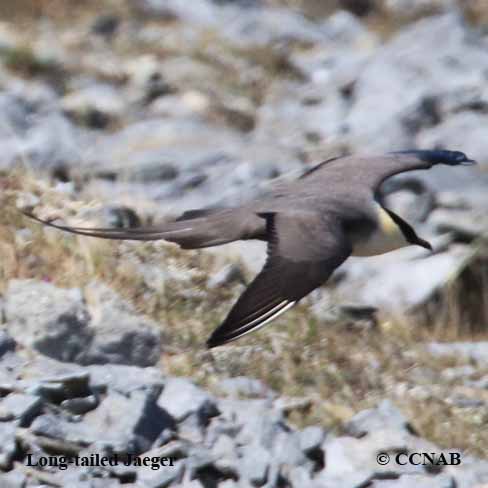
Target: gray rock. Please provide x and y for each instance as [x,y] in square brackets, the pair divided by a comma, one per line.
[384,416]
[52,142]
[178,71]
[226,458]
[13,479]
[299,476]
[119,335]
[122,338]
[354,461]
[228,275]
[8,445]
[419,481]
[181,139]
[51,320]
[199,461]
[338,63]
[106,25]
[347,316]
[155,171]
[465,99]
[481,384]
[99,294]
[181,398]
[287,450]
[461,131]
[120,217]
[49,425]
[109,426]
[475,199]
[194,484]
[95,105]
[254,464]
[242,386]
[294,116]
[176,448]
[15,114]
[361,8]
[207,176]
[462,401]
[7,343]
[192,428]
[472,351]
[471,472]
[346,29]
[229,484]
[221,426]
[62,386]
[202,13]
[124,379]
[162,477]
[396,79]
[22,407]
[79,406]
[15,111]
[257,420]
[134,433]
[264,26]
[414,9]
[343,467]
[464,225]
[381,281]
[458,373]
[252,26]
[311,438]
[408,196]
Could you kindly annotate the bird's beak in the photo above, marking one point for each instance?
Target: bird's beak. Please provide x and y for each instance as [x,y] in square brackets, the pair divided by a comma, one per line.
[469,162]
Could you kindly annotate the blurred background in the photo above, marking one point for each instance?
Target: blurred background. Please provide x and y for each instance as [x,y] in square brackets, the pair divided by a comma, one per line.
[126,112]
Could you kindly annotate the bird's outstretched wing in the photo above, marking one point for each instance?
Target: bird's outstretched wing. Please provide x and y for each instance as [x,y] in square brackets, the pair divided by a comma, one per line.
[354,171]
[303,251]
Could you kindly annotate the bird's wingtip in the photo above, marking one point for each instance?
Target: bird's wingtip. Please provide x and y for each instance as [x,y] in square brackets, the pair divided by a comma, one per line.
[213,341]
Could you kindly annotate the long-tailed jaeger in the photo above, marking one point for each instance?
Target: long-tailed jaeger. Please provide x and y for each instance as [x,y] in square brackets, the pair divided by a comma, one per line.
[311,225]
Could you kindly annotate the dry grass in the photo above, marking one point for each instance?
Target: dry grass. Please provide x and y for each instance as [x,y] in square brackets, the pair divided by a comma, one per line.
[340,370]
[31,10]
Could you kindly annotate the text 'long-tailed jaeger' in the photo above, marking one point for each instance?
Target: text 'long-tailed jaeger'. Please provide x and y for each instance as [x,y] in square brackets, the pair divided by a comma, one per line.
[312,226]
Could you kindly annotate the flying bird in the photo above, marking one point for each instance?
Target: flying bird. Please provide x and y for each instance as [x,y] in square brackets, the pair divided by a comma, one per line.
[311,225]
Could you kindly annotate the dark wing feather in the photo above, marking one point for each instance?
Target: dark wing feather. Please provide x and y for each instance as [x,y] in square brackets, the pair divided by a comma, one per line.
[407,230]
[303,251]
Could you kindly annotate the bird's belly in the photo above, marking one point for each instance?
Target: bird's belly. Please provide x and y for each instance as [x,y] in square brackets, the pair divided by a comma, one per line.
[385,237]
[379,243]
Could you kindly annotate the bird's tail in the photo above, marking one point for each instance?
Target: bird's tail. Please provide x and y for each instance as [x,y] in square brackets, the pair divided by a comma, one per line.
[193,230]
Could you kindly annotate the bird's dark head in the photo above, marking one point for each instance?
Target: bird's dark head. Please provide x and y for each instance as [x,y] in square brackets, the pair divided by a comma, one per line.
[453,158]
[441,156]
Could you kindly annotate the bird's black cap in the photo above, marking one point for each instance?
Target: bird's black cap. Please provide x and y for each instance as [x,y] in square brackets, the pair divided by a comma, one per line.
[440,156]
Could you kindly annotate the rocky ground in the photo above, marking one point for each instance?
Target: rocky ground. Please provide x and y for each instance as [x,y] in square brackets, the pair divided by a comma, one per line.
[116,113]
